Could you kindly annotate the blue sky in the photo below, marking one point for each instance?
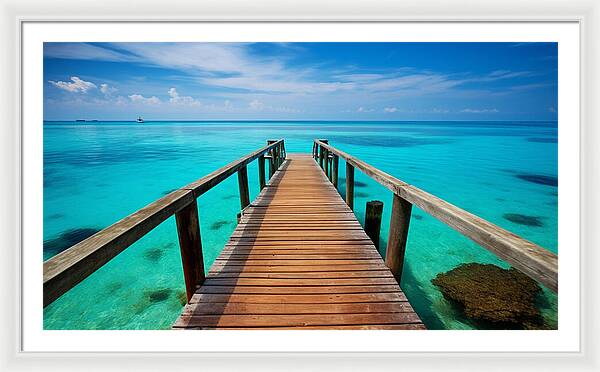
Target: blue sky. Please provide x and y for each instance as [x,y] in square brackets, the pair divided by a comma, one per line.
[301,81]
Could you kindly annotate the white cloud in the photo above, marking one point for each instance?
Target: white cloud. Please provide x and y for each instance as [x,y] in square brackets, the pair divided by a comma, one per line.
[479,111]
[390,109]
[76,85]
[138,98]
[106,89]
[362,109]
[256,105]
[440,111]
[181,100]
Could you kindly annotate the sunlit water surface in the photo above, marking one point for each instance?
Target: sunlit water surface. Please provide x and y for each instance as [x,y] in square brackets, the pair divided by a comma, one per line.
[97,173]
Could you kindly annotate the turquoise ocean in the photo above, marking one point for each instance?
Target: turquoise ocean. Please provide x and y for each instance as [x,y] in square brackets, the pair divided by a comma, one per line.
[96,173]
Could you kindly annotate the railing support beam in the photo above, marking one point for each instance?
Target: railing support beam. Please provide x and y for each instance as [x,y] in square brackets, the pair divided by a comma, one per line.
[188,230]
[396,247]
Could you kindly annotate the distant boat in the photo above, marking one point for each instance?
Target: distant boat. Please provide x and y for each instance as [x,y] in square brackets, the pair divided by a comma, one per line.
[80,120]
[139,119]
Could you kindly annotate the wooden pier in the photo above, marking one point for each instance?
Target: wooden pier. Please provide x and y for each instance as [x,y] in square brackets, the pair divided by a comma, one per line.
[298,258]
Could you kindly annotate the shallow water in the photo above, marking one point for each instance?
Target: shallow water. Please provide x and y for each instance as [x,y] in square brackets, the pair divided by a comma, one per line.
[97,173]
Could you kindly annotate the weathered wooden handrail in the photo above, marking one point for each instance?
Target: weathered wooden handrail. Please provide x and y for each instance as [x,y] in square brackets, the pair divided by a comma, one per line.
[531,259]
[68,268]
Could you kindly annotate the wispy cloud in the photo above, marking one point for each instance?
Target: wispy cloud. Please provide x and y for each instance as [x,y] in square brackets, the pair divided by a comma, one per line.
[176,99]
[138,98]
[479,111]
[107,89]
[76,85]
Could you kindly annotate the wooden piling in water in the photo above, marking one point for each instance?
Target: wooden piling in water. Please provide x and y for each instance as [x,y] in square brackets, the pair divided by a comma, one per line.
[396,247]
[243,184]
[373,220]
[334,170]
[188,231]
[261,172]
[350,185]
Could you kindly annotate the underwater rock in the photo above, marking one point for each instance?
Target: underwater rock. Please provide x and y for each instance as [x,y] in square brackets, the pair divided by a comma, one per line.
[217,225]
[360,184]
[539,179]
[522,219]
[488,293]
[227,197]
[169,191]
[55,216]
[159,295]
[113,287]
[361,194]
[67,239]
[417,216]
[154,254]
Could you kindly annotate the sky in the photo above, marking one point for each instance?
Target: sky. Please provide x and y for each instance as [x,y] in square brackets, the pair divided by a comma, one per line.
[301,81]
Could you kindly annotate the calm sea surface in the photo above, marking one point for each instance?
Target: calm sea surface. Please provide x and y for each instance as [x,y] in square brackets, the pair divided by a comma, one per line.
[97,173]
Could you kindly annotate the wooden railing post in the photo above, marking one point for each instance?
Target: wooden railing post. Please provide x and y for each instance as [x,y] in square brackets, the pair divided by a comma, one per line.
[271,159]
[396,247]
[261,172]
[350,185]
[322,153]
[243,184]
[326,163]
[334,170]
[321,150]
[188,230]
[373,220]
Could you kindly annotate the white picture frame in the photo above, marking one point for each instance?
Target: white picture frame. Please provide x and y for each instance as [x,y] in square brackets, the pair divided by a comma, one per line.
[17,13]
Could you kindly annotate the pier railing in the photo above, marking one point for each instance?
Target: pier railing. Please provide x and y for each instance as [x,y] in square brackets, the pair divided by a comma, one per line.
[525,256]
[68,268]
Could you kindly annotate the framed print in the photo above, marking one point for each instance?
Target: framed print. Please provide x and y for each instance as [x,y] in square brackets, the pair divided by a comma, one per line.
[302,186]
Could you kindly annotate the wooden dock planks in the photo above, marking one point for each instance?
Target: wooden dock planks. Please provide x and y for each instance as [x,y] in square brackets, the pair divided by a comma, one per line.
[299,259]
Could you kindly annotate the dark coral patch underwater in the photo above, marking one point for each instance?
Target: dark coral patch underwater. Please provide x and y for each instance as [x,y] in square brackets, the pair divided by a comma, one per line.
[523,219]
[539,179]
[219,224]
[67,239]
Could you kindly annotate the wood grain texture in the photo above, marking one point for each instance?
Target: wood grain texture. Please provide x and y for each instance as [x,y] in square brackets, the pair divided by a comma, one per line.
[299,259]
[531,259]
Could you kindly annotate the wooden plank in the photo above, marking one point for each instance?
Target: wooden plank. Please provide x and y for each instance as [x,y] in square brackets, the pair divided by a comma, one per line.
[295,320]
[240,308]
[304,294]
[270,296]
